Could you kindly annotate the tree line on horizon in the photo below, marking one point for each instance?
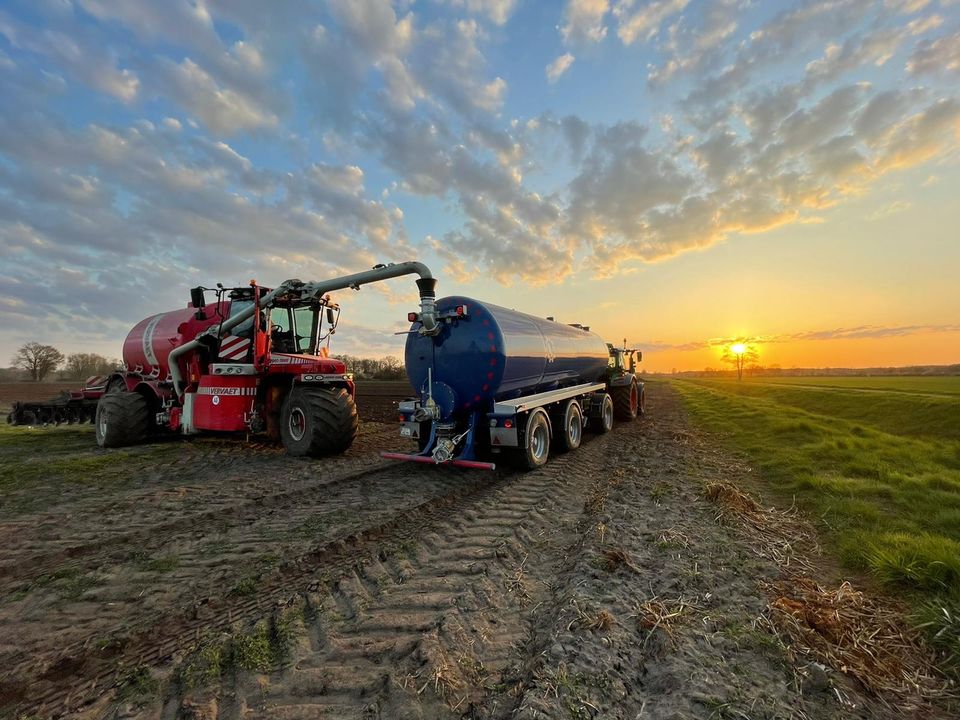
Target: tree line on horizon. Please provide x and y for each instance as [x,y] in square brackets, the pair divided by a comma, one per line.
[37,362]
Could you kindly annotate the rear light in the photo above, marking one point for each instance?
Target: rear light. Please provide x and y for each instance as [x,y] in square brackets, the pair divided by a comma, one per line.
[461,310]
[402,418]
[412,317]
[508,424]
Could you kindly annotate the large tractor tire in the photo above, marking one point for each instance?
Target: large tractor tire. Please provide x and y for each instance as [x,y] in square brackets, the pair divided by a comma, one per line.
[626,400]
[318,421]
[536,441]
[123,418]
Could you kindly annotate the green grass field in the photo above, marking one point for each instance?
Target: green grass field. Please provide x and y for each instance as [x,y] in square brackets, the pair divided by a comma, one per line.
[931,413]
[877,471]
[933,384]
[39,465]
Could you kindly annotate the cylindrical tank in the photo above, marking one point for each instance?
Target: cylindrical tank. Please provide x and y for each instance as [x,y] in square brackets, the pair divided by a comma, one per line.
[150,341]
[493,353]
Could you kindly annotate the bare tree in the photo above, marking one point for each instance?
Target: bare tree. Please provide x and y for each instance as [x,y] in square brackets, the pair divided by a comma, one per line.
[82,365]
[38,360]
[739,354]
[385,368]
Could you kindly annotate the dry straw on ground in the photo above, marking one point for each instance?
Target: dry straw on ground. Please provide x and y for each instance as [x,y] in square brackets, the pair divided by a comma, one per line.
[860,637]
[663,614]
[856,635]
[777,534]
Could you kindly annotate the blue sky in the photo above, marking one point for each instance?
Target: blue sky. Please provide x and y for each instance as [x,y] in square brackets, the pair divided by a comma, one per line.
[676,171]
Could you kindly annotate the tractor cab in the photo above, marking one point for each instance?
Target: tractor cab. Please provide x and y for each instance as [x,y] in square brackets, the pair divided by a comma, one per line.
[303,328]
[623,360]
[288,327]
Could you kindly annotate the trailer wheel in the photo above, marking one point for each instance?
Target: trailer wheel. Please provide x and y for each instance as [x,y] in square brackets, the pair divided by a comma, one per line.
[626,400]
[318,421]
[569,428]
[602,422]
[123,418]
[536,441]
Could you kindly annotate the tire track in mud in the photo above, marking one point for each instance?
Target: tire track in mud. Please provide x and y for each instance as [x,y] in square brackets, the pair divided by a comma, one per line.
[80,671]
[112,543]
[495,514]
[451,616]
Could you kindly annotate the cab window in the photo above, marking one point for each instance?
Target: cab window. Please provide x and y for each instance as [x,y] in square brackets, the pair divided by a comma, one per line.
[304,319]
[244,329]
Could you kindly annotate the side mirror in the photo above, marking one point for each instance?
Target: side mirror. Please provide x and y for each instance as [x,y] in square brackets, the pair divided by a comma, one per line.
[330,317]
[196,298]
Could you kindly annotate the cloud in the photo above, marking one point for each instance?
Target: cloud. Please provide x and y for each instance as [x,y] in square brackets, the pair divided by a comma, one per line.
[873,331]
[449,63]
[786,35]
[875,48]
[95,66]
[897,206]
[558,67]
[193,210]
[221,109]
[498,11]
[179,21]
[920,137]
[644,21]
[278,142]
[936,56]
[860,332]
[691,48]
[584,21]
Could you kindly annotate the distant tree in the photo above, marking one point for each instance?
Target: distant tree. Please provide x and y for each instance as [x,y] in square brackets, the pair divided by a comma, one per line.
[80,366]
[739,354]
[386,368]
[38,360]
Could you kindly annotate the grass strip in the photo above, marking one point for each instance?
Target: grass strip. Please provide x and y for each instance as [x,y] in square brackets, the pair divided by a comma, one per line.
[883,502]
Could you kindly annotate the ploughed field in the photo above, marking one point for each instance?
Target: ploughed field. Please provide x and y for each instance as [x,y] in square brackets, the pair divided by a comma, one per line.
[31,392]
[217,578]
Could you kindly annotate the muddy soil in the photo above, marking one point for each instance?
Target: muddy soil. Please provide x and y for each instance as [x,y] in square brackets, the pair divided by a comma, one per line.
[231,581]
[32,392]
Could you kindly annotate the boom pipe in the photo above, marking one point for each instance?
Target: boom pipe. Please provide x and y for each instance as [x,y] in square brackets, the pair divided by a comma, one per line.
[426,285]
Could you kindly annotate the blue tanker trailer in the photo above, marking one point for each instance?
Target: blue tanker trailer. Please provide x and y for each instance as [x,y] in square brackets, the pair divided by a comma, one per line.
[495,381]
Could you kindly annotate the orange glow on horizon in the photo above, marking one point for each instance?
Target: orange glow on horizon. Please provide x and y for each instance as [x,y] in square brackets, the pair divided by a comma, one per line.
[922,349]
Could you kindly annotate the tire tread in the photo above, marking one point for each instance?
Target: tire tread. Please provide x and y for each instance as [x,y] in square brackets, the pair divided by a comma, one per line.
[128,420]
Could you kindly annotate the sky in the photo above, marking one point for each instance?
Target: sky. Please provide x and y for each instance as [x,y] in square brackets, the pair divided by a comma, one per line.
[675,173]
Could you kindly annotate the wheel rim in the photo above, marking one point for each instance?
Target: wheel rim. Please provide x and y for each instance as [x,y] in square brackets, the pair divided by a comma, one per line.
[634,399]
[297,424]
[574,428]
[102,424]
[608,412]
[538,441]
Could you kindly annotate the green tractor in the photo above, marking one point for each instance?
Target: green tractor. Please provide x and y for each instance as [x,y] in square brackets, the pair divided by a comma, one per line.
[626,389]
